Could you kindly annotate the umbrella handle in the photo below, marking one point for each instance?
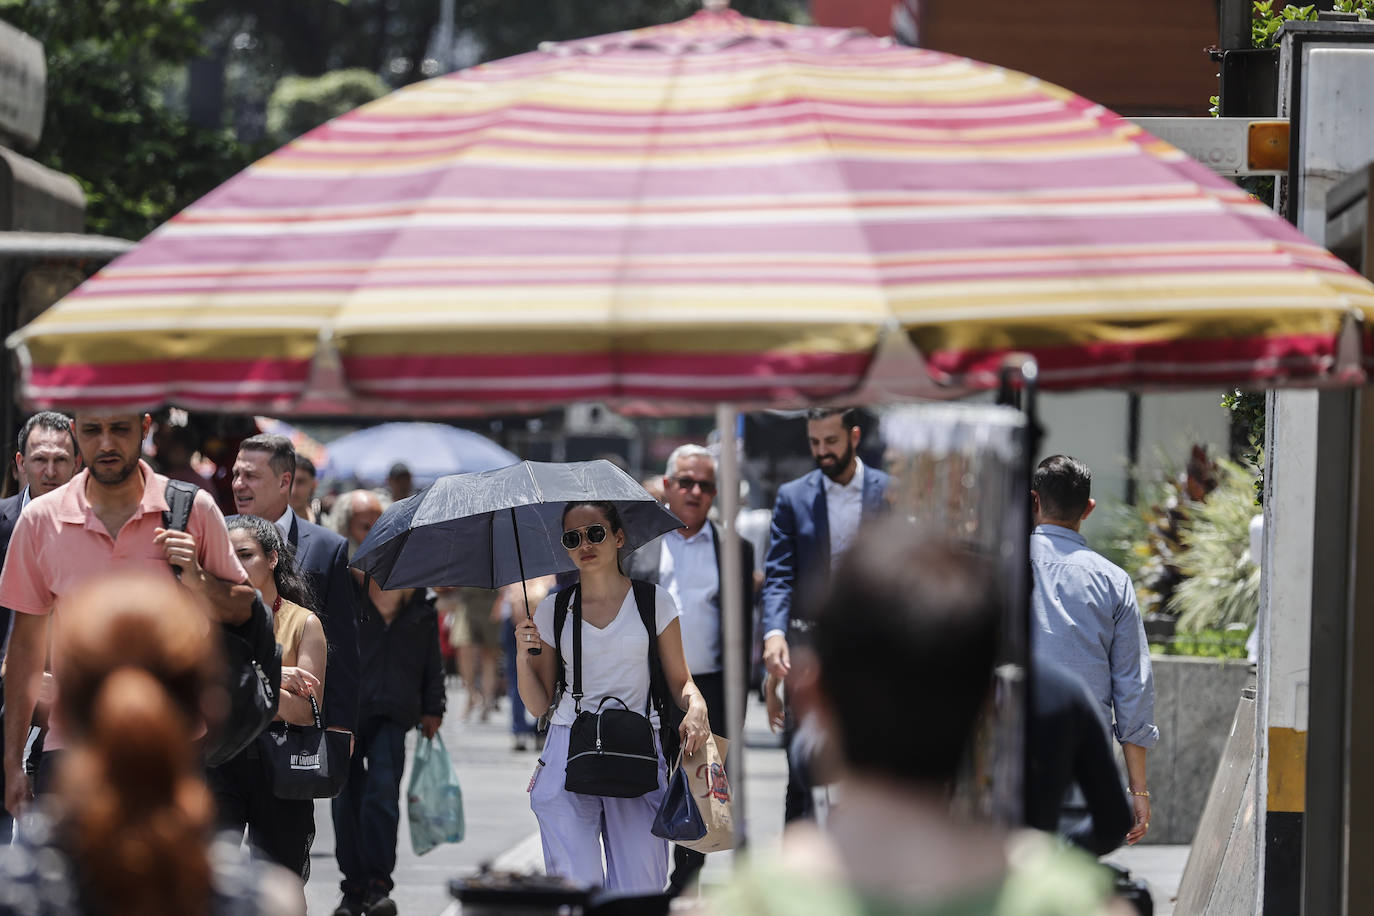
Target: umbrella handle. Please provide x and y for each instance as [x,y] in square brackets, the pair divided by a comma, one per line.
[524,590]
[534,650]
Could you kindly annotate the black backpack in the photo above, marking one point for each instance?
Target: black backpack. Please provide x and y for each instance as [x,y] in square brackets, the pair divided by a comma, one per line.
[658,681]
[251,654]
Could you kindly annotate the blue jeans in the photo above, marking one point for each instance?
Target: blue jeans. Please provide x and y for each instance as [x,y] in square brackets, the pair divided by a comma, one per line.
[367,813]
[520,723]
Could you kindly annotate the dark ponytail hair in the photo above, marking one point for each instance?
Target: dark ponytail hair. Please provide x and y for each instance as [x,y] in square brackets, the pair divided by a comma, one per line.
[137,660]
[290,582]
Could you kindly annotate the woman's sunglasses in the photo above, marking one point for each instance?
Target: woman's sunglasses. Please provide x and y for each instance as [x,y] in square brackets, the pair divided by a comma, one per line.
[573,539]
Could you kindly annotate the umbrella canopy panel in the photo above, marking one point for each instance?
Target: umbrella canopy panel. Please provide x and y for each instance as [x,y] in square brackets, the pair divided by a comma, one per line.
[428,450]
[718,210]
[463,529]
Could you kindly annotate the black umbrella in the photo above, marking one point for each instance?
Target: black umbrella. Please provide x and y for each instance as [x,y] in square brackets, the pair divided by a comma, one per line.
[491,528]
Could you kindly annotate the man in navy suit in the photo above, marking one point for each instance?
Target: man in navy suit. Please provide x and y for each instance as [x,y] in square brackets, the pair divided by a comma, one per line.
[45,461]
[815,519]
[262,477]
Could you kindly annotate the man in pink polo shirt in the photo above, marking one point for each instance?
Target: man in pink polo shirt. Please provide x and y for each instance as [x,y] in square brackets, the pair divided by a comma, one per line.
[107,517]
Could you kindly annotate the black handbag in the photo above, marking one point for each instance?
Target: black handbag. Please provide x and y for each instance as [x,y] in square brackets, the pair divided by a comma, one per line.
[611,752]
[305,761]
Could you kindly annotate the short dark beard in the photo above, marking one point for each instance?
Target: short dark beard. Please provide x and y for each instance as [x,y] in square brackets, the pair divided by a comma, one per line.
[116,477]
[841,463]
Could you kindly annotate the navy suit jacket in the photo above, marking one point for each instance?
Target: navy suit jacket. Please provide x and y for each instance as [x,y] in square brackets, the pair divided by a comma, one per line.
[9,514]
[799,551]
[644,563]
[323,556]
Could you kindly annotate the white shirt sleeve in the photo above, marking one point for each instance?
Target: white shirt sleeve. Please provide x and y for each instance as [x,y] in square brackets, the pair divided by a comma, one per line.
[665,608]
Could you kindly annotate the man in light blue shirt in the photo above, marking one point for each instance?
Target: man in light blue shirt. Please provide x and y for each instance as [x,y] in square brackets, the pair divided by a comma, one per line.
[1084,618]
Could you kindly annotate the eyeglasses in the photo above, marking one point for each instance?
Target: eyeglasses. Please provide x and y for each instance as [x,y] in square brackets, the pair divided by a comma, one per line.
[708,487]
[573,539]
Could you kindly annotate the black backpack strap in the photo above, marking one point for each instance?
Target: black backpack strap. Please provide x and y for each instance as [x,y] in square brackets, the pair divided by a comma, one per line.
[646,601]
[577,649]
[180,497]
[560,616]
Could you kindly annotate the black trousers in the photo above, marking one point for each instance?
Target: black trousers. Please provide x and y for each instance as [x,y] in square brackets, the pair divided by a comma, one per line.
[281,829]
[687,863]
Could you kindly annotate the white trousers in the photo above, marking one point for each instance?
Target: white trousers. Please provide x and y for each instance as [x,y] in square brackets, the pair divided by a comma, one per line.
[574,828]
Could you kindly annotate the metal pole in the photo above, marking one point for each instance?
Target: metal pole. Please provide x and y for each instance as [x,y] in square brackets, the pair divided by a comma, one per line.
[515,529]
[1236,17]
[732,613]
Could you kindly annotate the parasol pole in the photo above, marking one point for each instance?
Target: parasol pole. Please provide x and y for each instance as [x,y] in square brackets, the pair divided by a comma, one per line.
[732,614]
[524,589]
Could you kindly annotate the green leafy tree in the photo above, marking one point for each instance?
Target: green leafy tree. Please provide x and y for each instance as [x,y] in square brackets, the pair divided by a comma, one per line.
[108,122]
[1247,422]
[1267,21]
[251,44]
[301,103]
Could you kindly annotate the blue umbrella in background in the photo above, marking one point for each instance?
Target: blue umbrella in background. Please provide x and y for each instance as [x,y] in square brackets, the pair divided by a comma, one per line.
[493,528]
[429,450]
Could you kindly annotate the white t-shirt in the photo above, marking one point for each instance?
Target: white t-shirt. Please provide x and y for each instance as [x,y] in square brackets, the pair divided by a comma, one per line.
[615,660]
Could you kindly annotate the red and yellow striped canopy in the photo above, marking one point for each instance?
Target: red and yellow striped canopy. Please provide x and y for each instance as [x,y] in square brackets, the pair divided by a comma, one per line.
[722,209]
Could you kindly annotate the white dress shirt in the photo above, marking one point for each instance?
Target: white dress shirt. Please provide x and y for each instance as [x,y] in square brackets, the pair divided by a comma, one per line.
[687,569]
[284,524]
[844,507]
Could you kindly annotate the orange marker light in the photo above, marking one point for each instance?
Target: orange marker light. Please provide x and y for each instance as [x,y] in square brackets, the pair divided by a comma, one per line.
[1267,149]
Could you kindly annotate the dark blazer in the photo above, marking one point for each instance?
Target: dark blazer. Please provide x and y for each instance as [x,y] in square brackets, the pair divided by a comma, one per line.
[799,550]
[9,514]
[644,562]
[323,556]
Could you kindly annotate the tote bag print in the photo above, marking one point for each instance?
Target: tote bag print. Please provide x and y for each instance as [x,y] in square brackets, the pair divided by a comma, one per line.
[711,789]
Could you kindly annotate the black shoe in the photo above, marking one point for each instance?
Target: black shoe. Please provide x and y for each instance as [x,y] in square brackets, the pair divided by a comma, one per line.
[380,905]
[350,905]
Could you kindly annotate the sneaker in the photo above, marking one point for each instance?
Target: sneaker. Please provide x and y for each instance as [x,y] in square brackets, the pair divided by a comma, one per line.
[350,905]
[380,905]
[521,743]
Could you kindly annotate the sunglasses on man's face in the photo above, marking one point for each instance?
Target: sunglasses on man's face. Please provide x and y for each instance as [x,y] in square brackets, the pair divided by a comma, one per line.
[685,484]
[573,539]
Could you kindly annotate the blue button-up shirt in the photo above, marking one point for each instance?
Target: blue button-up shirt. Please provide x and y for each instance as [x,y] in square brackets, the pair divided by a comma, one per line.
[1085,618]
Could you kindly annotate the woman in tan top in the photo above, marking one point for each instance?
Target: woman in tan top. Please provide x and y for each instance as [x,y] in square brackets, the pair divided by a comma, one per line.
[281,829]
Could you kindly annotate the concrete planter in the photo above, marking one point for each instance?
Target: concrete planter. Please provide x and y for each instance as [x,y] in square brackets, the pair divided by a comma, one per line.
[1195,701]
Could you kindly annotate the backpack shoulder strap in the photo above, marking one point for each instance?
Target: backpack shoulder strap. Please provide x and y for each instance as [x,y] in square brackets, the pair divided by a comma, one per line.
[180,497]
[560,616]
[646,600]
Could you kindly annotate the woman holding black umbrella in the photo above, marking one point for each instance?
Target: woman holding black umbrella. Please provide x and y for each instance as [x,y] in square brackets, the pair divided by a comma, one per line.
[614,663]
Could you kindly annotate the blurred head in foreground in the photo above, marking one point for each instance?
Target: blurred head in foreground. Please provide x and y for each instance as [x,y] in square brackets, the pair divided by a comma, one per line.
[138,665]
[909,624]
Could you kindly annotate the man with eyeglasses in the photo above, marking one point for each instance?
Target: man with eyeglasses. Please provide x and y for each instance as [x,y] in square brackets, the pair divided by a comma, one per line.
[686,562]
[815,519]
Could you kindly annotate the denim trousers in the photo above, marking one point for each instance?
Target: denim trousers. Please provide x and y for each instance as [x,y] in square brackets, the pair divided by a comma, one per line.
[367,812]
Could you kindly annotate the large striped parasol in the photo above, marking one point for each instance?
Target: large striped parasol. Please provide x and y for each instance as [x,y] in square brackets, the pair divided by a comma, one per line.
[721,209]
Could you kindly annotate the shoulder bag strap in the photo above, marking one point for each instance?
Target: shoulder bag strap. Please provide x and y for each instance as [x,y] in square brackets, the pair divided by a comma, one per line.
[560,616]
[577,648]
